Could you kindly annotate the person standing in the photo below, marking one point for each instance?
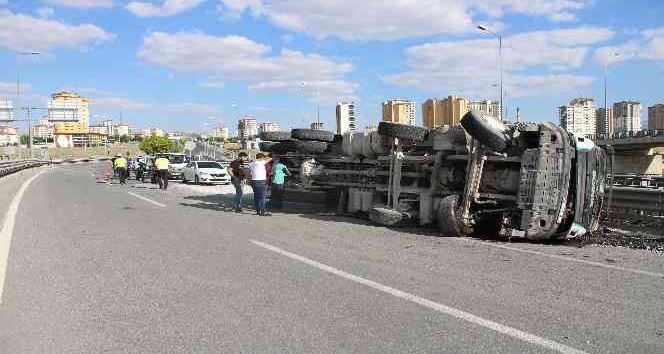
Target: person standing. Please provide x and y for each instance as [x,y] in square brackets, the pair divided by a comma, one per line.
[237,178]
[121,168]
[259,183]
[161,166]
[279,173]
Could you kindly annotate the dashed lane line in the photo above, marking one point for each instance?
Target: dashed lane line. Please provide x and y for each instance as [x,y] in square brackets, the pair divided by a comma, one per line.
[8,230]
[459,314]
[147,199]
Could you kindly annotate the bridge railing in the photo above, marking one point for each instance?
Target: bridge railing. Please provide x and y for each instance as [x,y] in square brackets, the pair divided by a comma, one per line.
[629,135]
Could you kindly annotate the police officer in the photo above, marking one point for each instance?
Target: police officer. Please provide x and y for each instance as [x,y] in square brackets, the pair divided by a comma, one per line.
[121,168]
[161,166]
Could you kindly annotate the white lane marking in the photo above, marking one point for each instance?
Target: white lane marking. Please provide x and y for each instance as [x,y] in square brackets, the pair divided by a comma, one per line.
[597,264]
[8,230]
[147,199]
[462,315]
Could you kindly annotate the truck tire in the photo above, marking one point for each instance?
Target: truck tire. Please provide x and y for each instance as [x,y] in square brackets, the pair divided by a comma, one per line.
[402,131]
[448,221]
[310,134]
[276,136]
[385,216]
[266,146]
[488,130]
[311,147]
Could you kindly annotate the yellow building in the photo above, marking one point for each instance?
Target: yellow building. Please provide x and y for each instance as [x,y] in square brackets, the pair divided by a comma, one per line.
[399,111]
[449,111]
[71,113]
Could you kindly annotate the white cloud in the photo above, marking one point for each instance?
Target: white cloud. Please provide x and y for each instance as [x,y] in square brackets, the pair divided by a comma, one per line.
[236,58]
[81,4]
[213,84]
[4,2]
[45,12]
[650,46]
[380,20]
[470,66]
[108,104]
[22,32]
[167,8]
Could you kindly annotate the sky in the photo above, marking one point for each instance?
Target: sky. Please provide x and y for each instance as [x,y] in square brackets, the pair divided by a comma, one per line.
[191,65]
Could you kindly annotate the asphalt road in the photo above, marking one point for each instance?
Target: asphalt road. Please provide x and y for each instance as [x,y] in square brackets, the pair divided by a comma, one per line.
[98,268]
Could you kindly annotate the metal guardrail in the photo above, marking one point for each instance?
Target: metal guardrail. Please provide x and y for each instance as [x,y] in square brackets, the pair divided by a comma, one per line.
[9,167]
[637,204]
[636,180]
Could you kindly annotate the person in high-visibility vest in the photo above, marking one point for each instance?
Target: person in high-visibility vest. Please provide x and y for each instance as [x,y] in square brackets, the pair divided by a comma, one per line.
[161,165]
[121,168]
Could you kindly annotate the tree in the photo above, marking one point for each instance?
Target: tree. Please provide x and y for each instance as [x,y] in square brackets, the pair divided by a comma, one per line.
[123,139]
[24,139]
[156,144]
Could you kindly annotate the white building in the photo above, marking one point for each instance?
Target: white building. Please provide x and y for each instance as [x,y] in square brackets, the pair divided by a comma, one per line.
[222,133]
[627,115]
[247,128]
[488,107]
[43,130]
[579,117]
[268,127]
[345,117]
[8,135]
[6,109]
[121,130]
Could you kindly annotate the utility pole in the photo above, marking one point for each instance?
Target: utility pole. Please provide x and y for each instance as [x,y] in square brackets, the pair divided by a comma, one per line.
[500,63]
[606,108]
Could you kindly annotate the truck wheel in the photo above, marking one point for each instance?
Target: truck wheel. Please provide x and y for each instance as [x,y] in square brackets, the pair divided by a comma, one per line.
[402,131]
[310,134]
[448,221]
[311,147]
[276,136]
[266,146]
[385,216]
[489,131]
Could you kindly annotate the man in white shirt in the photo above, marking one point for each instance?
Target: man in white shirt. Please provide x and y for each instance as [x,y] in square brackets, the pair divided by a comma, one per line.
[259,183]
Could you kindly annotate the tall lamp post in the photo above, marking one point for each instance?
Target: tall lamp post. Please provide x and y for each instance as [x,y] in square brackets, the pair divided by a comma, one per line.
[606,109]
[303,84]
[18,94]
[500,62]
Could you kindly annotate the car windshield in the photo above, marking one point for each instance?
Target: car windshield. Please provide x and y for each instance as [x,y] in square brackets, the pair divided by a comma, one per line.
[177,159]
[209,165]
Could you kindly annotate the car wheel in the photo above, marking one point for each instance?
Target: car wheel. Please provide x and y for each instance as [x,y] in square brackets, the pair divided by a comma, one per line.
[402,131]
[488,130]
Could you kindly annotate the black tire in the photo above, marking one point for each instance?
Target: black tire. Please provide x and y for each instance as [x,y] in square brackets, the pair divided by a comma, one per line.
[275,136]
[489,131]
[310,134]
[266,146]
[284,147]
[448,219]
[311,147]
[402,131]
[385,216]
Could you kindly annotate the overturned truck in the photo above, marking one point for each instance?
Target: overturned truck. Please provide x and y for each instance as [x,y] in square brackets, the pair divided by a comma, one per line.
[484,178]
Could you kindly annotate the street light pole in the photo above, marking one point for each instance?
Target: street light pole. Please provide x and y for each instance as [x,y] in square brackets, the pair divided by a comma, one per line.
[500,63]
[18,97]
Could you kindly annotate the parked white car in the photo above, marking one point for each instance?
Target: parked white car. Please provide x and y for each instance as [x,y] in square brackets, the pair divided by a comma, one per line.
[205,172]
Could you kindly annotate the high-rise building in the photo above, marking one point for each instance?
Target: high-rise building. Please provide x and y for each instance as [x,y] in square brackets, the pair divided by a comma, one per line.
[345,117]
[247,128]
[656,117]
[579,117]
[6,109]
[606,123]
[70,111]
[488,107]
[399,111]
[317,126]
[268,127]
[628,116]
[449,111]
